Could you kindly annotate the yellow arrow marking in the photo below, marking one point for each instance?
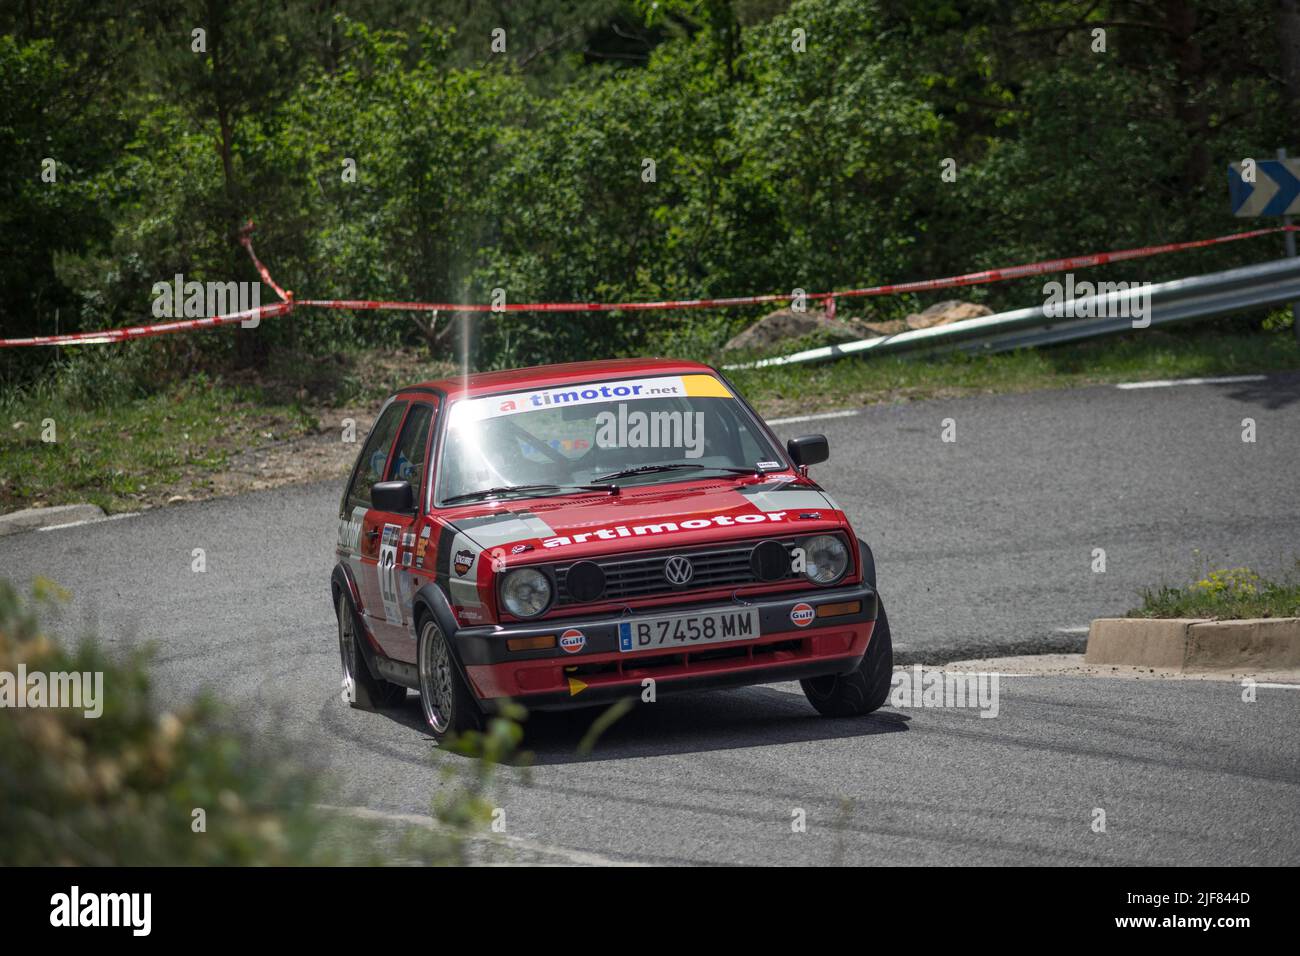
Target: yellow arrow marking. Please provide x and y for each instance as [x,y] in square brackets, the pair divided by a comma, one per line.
[576,686]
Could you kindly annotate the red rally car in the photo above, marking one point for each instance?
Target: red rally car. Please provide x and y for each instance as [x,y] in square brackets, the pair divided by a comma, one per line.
[573,534]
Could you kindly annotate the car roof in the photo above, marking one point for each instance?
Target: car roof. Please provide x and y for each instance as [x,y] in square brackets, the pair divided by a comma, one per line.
[484,383]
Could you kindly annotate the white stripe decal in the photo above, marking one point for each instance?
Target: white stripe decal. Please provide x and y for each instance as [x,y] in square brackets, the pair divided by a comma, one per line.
[509,529]
[801,500]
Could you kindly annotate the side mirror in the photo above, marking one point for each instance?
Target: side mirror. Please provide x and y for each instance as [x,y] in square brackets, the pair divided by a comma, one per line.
[396,497]
[808,449]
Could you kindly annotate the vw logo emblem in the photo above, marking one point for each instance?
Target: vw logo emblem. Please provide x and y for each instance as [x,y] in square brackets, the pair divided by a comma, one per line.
[679,571]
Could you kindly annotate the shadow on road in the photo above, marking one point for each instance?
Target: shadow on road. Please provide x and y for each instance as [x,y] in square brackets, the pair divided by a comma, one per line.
[1277,391]
[696,723]
[699,722]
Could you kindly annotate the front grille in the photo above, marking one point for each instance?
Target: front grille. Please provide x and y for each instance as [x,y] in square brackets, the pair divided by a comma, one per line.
[643,576]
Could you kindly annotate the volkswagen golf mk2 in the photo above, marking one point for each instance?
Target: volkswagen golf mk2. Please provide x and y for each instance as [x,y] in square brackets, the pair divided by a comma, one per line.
[563,535]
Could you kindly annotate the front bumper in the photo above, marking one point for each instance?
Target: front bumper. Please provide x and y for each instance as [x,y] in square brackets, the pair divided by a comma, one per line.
[551,678]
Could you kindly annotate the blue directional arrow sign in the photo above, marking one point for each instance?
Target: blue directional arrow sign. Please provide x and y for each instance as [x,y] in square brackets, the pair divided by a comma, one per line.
[1275,191]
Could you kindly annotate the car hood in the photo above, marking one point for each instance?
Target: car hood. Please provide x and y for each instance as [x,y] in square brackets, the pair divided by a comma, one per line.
[680,515]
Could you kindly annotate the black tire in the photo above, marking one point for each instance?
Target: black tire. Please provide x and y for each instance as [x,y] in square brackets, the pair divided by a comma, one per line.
[361,689]
[861,691]
[445,701]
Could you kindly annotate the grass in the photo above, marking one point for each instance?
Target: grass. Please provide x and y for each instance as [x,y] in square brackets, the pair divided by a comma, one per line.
[1229,594]
[1154,354]
[135,451]
[130,434]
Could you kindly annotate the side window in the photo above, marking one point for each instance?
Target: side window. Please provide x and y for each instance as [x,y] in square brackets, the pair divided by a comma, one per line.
[370,467]
[408,462]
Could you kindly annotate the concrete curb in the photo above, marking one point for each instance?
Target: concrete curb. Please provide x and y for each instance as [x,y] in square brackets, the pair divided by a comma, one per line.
[1189,645]
[31,518]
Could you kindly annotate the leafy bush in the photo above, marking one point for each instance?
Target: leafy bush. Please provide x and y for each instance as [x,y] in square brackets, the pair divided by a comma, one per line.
[775,168]
[122,788]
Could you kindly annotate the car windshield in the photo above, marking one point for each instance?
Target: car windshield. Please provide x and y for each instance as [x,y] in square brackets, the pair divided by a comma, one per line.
[621,431]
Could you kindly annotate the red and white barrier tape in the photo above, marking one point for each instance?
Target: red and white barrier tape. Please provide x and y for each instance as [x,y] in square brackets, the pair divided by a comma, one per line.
[288,304]
[246,240]
[161,328]
[1058,265]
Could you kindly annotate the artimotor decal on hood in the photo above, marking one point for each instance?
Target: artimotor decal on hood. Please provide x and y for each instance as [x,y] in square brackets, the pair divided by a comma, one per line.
[638,514]
[664,527]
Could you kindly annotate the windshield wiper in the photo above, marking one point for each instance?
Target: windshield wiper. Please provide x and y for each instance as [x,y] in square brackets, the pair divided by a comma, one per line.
[647,469]
[509,489]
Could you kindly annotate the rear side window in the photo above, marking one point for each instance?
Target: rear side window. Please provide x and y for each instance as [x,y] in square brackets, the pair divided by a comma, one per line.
[412,448]
[370,466]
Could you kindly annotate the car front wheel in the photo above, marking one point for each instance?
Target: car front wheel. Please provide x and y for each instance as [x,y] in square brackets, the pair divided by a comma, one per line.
[862,690]
[446,702]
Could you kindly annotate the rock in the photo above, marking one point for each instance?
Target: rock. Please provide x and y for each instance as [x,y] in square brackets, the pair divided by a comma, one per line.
[786,325]
[892,327]
[945,313]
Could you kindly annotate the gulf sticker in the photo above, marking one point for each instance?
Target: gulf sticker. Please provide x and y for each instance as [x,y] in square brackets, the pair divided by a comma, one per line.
[573,640]
[802,614]
[589,393]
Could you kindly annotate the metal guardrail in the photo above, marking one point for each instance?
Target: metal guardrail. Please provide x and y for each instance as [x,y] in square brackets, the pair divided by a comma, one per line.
[1197,297]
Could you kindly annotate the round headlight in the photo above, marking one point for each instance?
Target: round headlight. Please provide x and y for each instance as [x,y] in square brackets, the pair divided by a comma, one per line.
[526,592]
[825,558]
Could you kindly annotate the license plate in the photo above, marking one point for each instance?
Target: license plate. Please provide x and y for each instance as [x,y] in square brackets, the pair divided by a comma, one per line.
[688,630]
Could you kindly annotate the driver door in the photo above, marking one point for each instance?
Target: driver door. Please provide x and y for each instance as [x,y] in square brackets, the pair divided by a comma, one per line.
[388,538]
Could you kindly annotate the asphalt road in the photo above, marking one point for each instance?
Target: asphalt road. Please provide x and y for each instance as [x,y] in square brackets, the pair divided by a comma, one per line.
[984,545]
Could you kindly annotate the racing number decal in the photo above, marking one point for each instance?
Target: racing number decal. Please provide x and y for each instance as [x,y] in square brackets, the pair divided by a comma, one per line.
[388,573]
